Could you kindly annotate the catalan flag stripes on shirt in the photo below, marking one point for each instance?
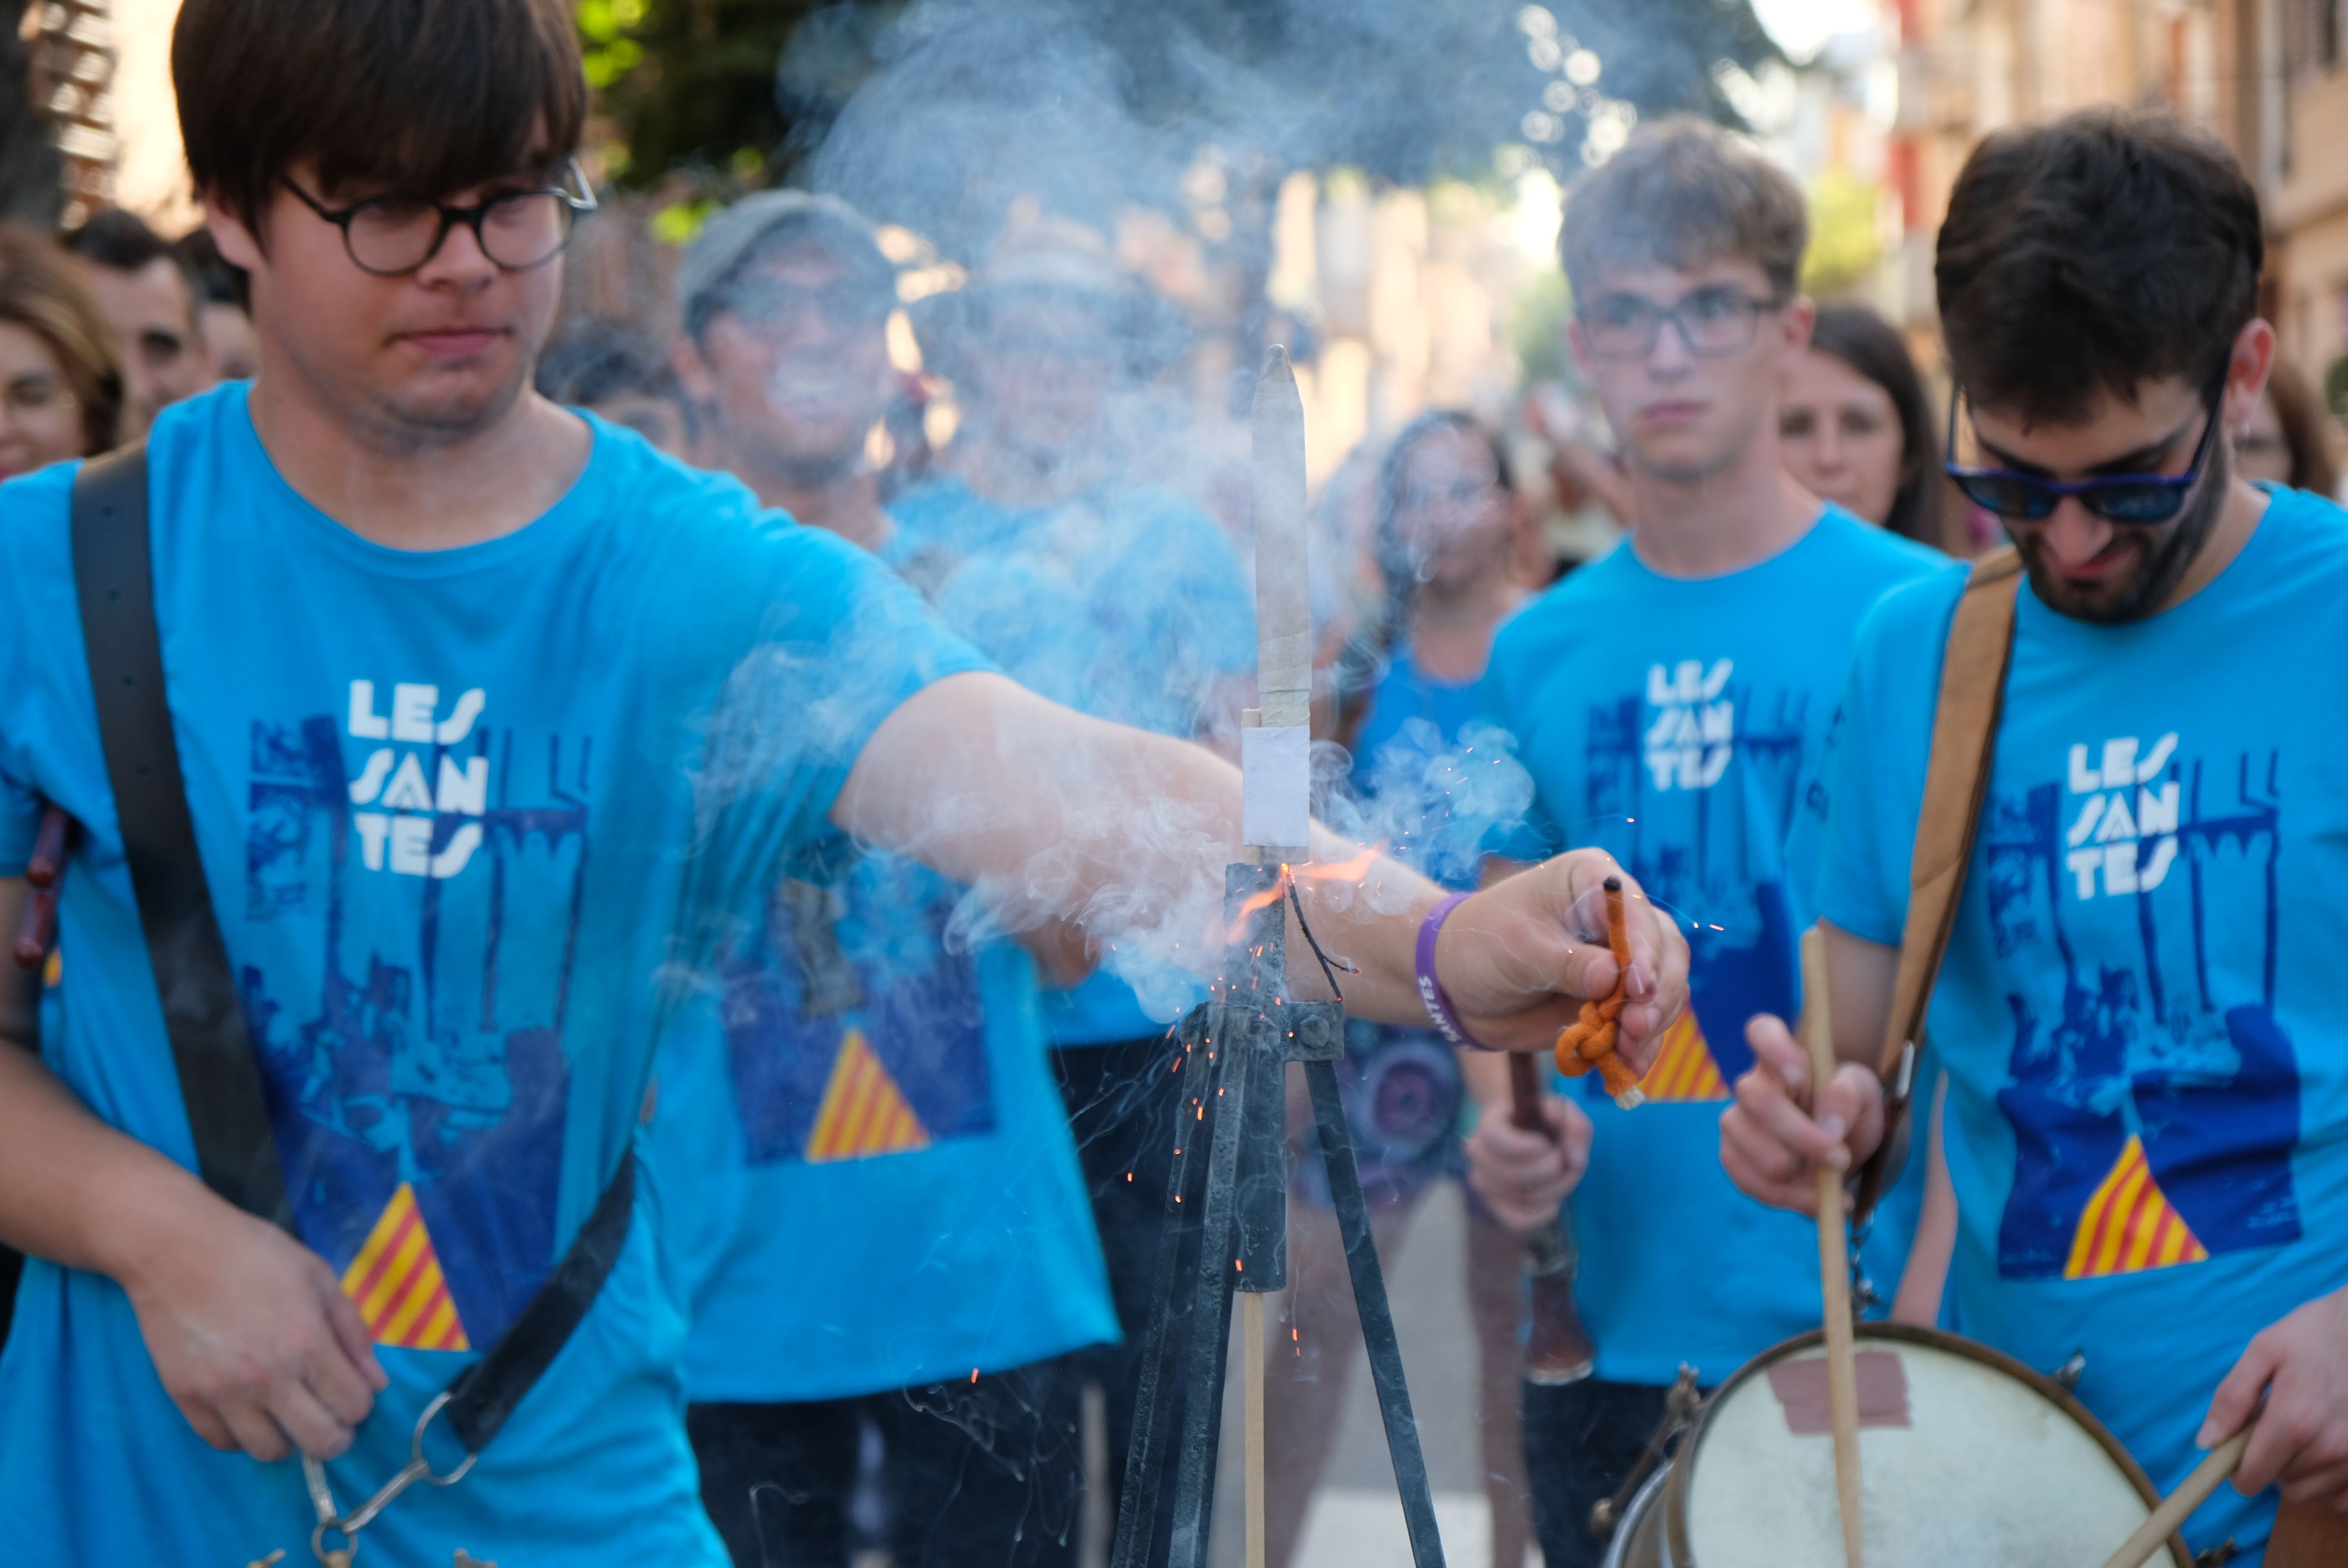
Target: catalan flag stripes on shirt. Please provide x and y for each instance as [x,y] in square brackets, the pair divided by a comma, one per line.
[397,1281]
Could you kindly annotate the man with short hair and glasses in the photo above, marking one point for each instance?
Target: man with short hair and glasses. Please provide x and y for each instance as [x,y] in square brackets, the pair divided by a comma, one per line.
[496,728]
[2146,1058]
[1666,700]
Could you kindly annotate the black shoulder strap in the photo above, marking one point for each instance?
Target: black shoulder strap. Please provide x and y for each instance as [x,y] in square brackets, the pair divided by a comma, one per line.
[211,1044]
[220,1077]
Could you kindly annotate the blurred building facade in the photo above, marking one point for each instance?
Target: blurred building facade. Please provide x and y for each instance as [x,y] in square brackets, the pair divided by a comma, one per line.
[2271,76]
[2306,178]
[101,74]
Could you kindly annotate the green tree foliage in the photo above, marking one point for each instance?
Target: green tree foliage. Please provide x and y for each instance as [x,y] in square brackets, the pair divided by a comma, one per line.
[1844,241]
[1403,90]
[693,86]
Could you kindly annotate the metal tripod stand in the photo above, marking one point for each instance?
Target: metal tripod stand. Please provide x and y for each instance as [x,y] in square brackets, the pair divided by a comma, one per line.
[1229,1172]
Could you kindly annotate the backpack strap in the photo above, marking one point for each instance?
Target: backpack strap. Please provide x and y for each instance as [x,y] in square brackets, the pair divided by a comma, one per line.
[203,1013]
[1956,783]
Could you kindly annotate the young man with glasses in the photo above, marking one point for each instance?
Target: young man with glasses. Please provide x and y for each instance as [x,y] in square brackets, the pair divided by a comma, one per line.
[494,728]
[877,1073]
[2146,1121]
[1667,700]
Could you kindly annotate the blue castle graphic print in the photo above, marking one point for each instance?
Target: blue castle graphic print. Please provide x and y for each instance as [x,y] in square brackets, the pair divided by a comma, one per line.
[2153,1096]
[440,860]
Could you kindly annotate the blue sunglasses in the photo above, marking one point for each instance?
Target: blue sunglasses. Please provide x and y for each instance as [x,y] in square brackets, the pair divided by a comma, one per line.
[2140,498]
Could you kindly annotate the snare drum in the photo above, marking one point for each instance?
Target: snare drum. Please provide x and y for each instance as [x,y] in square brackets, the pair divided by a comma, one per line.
[1968,1457]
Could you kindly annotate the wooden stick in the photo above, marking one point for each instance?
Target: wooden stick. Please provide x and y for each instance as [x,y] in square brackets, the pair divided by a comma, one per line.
[1833,1260]
[2177,1506]
[1253,1348]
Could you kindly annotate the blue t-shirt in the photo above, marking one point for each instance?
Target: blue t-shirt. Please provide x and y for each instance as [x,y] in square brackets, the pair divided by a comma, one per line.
[2147,1111]
[468,817]
[1670,722]
[1124,603]
[886,1190]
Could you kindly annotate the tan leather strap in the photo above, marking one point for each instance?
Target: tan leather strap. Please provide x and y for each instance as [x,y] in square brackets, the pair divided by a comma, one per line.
[1956,783]
[2308,1535]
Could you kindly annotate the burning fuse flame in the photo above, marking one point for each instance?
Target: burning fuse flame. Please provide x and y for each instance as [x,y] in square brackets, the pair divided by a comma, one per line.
[1352,870]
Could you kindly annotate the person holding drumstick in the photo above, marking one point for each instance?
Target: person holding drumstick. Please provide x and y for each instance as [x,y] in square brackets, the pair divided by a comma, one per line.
[1666,711]
[2147,1113]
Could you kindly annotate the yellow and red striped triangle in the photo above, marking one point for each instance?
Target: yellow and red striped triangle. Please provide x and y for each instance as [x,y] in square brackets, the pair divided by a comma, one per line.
[1684,1068]
[863,1112]
[2128,1225]
[397,1281]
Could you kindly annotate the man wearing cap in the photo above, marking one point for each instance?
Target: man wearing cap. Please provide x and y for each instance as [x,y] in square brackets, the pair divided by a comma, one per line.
[784,299]
[1120,599]
[887,1228]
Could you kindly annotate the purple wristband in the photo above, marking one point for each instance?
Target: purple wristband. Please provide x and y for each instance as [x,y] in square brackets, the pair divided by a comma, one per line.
[1430,989]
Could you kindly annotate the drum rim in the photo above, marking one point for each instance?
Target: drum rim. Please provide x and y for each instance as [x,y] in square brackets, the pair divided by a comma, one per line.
[1675,1497]
[1620,1544]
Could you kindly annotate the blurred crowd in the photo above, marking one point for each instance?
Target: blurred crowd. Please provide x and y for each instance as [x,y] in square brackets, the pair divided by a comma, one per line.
[1054,346]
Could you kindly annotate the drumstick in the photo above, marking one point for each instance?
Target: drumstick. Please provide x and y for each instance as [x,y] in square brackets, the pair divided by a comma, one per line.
[1833,1260]
[2177,1506]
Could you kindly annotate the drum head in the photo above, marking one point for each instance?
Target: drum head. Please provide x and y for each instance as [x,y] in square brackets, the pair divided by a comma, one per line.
[1967,1457]
[1639,1540]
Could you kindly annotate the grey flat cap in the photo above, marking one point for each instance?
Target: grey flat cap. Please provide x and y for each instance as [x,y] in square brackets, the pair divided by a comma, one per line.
[731,235]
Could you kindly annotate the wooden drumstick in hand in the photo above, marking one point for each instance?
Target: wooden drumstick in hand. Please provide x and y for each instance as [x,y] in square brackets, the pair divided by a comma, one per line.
[2177,1506]
[1834,1258]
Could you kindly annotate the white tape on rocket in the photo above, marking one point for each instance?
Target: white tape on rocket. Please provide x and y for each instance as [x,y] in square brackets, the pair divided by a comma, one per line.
[1276,803]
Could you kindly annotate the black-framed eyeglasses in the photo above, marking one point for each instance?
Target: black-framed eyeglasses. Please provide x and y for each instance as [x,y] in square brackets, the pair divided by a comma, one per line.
[391,236]
[2144,499]
[1713,323]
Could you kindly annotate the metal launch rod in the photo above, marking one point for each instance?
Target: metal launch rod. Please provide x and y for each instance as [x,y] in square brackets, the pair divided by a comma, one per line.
[1227,1233]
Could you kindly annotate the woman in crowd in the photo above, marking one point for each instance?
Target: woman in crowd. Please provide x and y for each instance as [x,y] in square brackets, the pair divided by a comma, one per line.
[1444,541]
[60,394]
[2288,439]
[60,383]
[1856,427]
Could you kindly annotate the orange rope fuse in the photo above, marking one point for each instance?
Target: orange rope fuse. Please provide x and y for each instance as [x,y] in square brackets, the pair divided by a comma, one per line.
[1590,1040]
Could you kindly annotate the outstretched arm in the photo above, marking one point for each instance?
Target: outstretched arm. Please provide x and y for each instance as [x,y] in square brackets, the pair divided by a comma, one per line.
[1048,813]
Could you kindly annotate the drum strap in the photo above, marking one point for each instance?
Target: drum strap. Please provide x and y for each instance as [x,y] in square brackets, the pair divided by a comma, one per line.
[1956,783]
[2308,1535]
